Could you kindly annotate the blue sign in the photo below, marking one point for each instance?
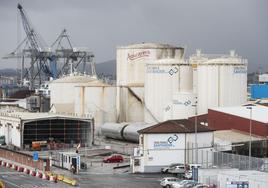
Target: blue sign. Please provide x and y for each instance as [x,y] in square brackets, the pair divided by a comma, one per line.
[35,156]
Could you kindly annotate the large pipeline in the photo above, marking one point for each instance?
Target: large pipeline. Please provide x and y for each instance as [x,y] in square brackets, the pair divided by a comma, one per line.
[123,131]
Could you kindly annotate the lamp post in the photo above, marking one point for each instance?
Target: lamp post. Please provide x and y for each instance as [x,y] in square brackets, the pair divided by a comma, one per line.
[195,131]
[250,130]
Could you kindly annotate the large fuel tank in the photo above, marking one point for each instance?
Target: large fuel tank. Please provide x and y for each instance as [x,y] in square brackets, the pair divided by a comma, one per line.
[113,130]
[123,131]
[130,132]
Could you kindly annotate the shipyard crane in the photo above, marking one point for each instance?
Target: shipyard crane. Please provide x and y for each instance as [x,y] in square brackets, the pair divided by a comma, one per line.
[45,61]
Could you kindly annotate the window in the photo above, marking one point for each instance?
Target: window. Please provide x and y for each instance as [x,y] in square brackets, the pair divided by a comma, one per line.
[137,162]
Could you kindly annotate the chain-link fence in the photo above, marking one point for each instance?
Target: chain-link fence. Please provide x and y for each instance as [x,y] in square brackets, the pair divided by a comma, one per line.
[205,155]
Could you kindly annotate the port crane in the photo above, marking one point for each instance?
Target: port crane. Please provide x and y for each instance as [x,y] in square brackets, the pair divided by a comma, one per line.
[47,62]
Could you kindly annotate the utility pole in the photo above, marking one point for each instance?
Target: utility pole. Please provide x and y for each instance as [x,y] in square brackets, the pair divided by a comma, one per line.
[195,128]
[250,130]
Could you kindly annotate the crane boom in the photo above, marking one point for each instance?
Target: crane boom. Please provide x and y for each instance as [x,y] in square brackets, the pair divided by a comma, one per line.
[31,34]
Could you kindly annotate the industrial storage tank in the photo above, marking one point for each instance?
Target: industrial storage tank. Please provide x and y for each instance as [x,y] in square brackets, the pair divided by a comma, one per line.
[221,81]
[62,92]
[99,100]
[130,71]
[113,130]
[130,132]
[123,131]
[183,106]
[163,79]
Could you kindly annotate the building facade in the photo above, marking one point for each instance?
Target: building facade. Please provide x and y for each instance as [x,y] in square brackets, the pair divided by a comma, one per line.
[170,142]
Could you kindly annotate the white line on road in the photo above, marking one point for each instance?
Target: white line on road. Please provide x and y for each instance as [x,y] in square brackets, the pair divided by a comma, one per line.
[8,182]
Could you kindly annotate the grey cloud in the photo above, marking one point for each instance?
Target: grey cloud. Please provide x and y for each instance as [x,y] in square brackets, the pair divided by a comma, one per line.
[215,26]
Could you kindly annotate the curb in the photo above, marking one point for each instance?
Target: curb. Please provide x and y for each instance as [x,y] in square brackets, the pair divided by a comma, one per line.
[39,174]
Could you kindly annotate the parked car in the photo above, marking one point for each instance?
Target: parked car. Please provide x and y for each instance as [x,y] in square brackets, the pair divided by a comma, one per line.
[165,169]
[179,169]
[200,185]
[167,181]
[184,184]
[115,158]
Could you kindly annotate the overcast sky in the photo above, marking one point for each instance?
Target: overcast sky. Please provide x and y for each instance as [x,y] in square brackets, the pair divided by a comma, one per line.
[215,26]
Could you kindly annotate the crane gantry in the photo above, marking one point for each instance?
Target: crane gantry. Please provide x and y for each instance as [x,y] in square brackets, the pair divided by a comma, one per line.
[47,62]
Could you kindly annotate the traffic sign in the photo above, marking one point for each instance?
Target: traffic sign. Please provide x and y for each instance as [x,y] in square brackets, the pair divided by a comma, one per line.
[35,156]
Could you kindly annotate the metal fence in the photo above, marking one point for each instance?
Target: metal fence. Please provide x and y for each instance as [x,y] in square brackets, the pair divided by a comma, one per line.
[223,160]
[209,158]
[212,159]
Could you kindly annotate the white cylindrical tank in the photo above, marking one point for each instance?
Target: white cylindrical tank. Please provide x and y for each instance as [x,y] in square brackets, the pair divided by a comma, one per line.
[97,99]
[130,63]
[62,92]
[113,130]
[123,131]
[181,107]
[130,132]
[163,79]
[221,81]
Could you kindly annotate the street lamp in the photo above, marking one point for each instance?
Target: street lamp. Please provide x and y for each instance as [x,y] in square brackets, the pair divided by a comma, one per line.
[250,129]
[195,131]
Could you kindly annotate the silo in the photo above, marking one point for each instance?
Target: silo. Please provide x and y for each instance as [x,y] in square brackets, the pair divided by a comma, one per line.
[221,81]
[164,78]
[130,64]
[98,99]
[62,92]
[182,106]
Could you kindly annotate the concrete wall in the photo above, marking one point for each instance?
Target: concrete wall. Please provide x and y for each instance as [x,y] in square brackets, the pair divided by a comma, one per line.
[10,128]
[25,159]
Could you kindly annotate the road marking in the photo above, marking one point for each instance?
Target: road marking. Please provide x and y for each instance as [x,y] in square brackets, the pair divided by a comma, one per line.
[8,182]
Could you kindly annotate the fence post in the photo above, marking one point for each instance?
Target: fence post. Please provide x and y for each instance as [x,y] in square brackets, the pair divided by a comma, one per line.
[207,158]
[192,153]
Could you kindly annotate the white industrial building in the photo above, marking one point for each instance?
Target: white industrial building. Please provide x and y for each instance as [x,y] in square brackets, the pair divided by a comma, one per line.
[168,90]
[22,128]
[170,142]
[98,99]
[130,63]
[219,80]
[83,95]
[62,92]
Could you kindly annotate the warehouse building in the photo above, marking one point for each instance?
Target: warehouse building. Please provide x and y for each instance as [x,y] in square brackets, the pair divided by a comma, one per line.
[21,129]
[170,142]
[239,117]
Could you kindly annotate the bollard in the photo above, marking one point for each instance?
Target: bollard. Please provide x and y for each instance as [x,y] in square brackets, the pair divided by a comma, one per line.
[39,175]
[20,169]
[33,173]
[44,177]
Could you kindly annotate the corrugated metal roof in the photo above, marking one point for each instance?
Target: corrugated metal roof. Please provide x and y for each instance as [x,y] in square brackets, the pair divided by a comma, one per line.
[235,136]
[38,116]
[175,126]
[148,46]
[259,113]
[74,79]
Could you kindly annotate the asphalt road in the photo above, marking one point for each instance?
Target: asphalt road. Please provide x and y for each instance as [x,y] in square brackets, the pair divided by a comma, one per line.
[120,181]
[13,179]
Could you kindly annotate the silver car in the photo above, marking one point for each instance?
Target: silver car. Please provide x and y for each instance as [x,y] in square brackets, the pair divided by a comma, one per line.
[167,181]
[179,169]
[184,184]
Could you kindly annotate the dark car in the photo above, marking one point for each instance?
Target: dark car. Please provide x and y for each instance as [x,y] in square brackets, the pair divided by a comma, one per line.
[115,158]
